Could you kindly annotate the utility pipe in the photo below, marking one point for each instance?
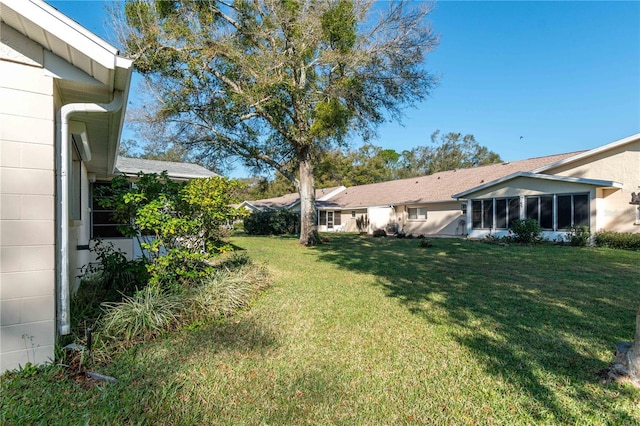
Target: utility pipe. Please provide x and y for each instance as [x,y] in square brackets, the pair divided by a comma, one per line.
[63,144]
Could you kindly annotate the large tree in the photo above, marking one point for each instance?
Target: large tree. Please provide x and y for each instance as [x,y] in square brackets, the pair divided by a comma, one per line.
[448,151]
[277,82]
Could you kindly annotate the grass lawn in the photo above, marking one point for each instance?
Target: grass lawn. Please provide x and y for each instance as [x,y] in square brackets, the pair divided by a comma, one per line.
[380,331]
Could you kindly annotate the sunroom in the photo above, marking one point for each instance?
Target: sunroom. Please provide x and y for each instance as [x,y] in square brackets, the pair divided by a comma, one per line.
[557,203]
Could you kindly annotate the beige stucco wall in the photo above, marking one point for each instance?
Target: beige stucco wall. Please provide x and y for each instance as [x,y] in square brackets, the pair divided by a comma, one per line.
[621,165]
[27,205]
[442,219]
[349,221]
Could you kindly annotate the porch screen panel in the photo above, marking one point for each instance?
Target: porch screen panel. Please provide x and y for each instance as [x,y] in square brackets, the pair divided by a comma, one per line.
[336,218]
[323,218]
[532,208]
[476,213]
[564,211]
[546,212]
[487,213]
[501,213]
[581,210]
[514,210]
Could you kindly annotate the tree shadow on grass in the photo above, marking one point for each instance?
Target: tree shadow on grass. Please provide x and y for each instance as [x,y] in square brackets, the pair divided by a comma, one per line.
[531,315]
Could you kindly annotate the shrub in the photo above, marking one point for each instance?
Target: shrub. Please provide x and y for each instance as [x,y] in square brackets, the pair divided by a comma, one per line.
[362,223]
[114,273]
[379,233]
[425,243]
[578,235]
[526,231]
[186,220]
[619,240]
[144,315]
[272,222]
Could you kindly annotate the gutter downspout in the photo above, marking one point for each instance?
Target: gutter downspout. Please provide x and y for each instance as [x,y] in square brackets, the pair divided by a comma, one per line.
[63,143]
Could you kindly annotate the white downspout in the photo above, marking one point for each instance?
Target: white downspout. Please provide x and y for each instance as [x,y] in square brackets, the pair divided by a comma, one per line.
[62,206]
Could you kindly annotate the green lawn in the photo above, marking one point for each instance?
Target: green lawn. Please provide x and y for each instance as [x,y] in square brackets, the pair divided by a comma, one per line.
[380,331]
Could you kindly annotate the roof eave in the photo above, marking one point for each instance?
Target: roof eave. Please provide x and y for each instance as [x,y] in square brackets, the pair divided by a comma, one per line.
[531,175]
[589,153]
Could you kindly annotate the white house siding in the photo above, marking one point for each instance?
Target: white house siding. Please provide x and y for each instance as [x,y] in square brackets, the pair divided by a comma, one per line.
[381,218]
[620,165]
[27,220]
[442,219]
[80,232]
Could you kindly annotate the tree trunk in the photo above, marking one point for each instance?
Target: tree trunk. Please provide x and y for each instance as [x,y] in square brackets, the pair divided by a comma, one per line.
[633,355]
[308,229]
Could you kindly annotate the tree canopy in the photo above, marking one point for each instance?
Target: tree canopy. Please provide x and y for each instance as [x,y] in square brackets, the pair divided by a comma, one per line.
[278,82]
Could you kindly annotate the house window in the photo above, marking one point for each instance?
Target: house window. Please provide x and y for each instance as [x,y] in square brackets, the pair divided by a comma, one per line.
[573,210]
[476,214]
[495,213]
[102,223]
[417,213]
[570,209]
[353,214]
[487,213]
[541,210]
[514,210]
[76,182]
[501,214]
[329,218]
[482,213]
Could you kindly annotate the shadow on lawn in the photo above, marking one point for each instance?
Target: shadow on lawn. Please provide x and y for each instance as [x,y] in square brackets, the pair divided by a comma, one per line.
[526,313]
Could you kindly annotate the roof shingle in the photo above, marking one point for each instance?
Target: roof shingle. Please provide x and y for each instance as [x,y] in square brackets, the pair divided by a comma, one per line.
[438,187]
[132,166]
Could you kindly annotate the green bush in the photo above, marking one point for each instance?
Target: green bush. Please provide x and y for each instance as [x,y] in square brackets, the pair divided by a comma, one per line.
[187,220]
[526,231]
[114,272]
[618,240]
[272,222]
[379,233]
[578,235]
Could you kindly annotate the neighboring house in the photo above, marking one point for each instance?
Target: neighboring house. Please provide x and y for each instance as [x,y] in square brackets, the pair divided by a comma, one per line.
[592,188]
[176,171]
[288,201]
[103,226]
[63,95]
[420,205]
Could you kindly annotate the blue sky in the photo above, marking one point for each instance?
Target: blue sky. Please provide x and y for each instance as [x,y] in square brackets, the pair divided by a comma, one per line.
[563,75]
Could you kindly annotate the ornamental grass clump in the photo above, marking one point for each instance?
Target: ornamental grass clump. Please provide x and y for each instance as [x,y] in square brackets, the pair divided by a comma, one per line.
[223,293]
[145,315]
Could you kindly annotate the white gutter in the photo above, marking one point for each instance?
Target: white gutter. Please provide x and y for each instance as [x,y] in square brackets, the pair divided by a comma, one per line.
[62,206]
